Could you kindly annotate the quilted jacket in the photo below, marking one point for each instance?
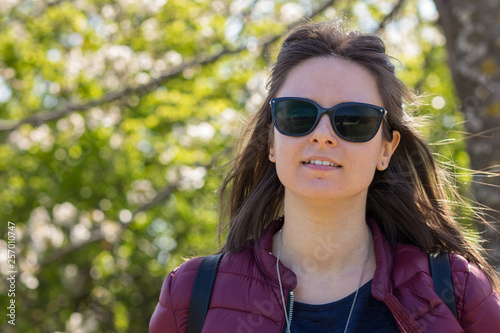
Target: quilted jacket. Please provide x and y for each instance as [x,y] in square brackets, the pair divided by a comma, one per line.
[246,296]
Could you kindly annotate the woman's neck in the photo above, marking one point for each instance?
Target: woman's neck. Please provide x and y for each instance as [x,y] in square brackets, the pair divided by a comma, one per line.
[326,246]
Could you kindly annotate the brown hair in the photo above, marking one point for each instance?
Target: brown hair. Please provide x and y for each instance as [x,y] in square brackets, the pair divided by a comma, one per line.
[408,199]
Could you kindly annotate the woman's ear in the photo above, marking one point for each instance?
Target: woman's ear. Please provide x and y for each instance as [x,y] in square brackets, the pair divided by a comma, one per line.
[270,142]
[272,158]
[388,148]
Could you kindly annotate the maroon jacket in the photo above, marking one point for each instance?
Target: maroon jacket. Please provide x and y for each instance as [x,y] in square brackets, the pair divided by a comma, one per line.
[246,296]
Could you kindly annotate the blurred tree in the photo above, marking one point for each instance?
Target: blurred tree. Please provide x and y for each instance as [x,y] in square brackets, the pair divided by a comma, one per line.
[117,118]
[472,30]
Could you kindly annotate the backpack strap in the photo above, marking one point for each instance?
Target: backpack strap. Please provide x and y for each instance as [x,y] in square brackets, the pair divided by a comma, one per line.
[441,276]
[202,292]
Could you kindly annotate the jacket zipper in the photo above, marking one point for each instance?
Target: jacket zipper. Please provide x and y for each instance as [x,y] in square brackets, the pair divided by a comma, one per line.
[290,308]
[289,311]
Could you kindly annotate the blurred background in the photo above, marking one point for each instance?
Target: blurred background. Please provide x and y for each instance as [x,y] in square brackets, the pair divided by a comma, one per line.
[117,119]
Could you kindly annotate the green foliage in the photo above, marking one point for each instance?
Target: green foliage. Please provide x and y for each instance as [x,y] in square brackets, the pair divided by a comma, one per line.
[109,198]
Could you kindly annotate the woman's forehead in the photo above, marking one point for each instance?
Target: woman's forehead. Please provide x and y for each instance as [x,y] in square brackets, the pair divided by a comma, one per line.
[329,81]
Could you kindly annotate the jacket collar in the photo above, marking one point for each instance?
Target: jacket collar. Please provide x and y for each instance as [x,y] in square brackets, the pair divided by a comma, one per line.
[381,284]
[267,261]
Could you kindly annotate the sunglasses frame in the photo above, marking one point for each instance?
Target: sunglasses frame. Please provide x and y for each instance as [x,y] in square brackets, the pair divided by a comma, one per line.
[331,114]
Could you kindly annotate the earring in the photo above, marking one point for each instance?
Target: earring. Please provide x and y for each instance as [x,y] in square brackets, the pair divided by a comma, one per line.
[271,155]
[383,163]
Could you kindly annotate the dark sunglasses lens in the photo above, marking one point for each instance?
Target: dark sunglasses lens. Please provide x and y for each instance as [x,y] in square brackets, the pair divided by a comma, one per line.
[295,117]
[357,123]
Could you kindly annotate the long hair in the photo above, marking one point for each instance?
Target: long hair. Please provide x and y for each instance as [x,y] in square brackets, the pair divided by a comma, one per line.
[410,199]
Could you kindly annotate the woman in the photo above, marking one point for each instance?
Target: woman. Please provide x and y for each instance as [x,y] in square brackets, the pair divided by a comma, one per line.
[363,203]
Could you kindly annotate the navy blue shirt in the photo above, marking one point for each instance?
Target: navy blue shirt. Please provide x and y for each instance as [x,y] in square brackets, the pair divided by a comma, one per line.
[368,316]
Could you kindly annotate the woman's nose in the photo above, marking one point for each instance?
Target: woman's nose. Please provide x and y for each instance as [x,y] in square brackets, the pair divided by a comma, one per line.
[324,133]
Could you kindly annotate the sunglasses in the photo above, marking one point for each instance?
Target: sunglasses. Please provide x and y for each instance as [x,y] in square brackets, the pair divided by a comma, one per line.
[354,122]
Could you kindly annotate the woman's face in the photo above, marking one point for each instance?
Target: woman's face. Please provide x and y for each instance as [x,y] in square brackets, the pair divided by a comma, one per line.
[328,82]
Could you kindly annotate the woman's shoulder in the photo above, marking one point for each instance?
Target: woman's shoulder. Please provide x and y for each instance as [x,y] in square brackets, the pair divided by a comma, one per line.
[464,273]
[176,291]
[172,309]
[474,294]
[181,280]
[478,304]
[178,284]
[470,281]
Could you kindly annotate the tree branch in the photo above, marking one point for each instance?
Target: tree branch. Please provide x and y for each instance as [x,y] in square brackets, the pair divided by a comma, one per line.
[42,116]
[315,13]
[97,234]
[390,16]
[15,15]
[48,5]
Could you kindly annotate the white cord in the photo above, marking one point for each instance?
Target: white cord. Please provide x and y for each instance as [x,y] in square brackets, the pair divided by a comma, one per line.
[360,281]
[279,280]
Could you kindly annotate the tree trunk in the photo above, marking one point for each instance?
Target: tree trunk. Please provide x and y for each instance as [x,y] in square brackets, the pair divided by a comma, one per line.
[472,31]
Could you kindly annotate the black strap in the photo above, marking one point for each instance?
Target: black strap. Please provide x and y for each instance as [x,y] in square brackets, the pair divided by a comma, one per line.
[202,292]
[441,275]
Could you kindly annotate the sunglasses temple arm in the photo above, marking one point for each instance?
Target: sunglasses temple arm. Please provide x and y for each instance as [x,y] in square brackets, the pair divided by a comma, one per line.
[387,122]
